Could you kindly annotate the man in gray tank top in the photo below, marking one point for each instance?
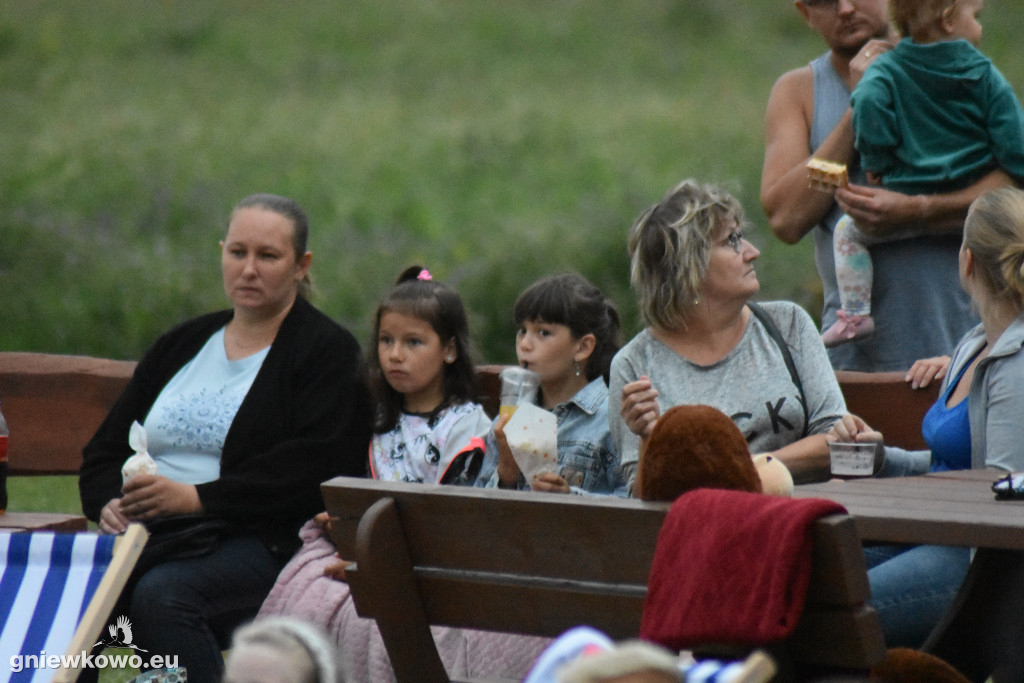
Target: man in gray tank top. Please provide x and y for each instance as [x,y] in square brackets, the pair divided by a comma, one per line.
[919,307]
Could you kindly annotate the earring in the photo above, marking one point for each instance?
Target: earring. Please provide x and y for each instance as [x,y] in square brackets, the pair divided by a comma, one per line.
[576,366]
[450,358]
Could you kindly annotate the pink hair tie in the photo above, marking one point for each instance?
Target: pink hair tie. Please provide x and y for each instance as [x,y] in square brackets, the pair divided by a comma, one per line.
[424,275]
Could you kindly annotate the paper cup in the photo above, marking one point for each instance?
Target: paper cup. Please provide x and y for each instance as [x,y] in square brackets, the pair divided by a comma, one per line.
[852,459]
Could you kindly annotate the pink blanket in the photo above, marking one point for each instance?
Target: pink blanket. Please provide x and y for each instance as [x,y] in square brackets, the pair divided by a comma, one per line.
[303,591]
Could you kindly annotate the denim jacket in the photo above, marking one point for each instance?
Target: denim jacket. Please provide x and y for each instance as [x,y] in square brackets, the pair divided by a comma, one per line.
[586,453]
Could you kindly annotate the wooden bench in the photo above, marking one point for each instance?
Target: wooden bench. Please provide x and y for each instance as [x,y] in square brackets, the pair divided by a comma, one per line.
[53,405]
[540,564]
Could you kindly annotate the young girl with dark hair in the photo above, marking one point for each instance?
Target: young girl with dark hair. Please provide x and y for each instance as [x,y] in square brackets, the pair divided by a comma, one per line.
[427,426]
[567,332]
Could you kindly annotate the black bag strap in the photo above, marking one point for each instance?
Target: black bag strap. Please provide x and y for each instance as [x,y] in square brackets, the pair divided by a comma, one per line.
[787,356]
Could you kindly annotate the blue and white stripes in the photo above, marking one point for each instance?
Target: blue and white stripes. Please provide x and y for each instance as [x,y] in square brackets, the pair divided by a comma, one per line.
[46,583]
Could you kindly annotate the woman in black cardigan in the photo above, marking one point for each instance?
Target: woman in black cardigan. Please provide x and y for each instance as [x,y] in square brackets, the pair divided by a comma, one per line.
[246,411]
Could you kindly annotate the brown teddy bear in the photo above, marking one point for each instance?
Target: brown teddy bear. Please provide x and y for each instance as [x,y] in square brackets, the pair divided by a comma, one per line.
[697,446]
[691,447]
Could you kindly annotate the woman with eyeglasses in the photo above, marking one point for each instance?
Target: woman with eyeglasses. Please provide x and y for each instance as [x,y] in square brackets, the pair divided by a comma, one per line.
[705,342]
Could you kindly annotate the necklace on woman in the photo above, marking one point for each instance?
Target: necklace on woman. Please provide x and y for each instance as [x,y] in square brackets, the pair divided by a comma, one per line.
[236,339]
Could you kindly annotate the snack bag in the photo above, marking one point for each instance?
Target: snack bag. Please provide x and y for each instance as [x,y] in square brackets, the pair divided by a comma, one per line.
[142,462]
[532,435]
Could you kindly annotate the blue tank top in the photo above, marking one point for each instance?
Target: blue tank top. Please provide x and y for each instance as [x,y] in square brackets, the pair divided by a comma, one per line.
[947,430]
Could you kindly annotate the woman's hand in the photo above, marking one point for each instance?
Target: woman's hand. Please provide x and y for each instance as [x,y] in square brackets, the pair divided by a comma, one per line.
[851,428]
[550,483]
[640,406]
[508,470]
[926,370]
[148,495]
[112,520]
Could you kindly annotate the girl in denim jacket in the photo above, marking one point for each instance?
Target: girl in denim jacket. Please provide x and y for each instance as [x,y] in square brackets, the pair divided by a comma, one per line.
[566,332]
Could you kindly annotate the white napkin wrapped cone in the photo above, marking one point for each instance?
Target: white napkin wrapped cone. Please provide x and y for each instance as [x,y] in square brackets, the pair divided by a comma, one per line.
[142,462]
[532,435]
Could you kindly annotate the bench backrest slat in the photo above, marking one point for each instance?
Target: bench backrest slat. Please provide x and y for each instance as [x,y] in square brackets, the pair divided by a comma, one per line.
[888,403]
[53,405]
[532,527]
[55,402]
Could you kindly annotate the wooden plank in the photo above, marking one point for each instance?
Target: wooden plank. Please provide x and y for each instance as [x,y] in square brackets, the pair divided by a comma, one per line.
[534,608]
[952,509]
[42,521]
[53,405]
[127,549]
[968,475]
[930,508]
[856,635]
[385,588]
[838,571]
[571,533]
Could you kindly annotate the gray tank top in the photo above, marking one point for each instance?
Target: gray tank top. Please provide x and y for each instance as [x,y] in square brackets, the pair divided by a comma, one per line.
[831,100]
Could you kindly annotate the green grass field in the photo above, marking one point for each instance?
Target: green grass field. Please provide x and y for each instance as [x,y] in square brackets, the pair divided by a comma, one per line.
[494,142]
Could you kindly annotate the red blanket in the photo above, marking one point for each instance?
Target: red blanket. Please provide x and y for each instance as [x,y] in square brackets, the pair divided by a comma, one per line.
[730,567]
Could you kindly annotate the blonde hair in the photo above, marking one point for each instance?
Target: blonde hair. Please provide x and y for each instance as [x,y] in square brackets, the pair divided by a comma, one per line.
[994,232]
[312,654]
[631,657]
[670,248]
[915,18]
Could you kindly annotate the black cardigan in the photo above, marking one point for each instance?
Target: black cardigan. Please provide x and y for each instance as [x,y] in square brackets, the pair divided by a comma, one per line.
[306,418]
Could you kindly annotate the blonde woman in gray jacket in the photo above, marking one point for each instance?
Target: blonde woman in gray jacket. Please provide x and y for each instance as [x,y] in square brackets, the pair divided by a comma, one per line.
[975,423]
[707,342]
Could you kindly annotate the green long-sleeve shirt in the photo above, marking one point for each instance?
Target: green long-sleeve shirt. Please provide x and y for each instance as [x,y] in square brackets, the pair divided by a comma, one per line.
[934,118]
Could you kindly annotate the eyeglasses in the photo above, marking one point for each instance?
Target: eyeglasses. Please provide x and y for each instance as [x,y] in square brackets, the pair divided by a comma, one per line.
[735,241]
[820,3]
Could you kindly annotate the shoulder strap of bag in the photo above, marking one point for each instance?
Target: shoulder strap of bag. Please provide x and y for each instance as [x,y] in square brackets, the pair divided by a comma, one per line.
[787,356]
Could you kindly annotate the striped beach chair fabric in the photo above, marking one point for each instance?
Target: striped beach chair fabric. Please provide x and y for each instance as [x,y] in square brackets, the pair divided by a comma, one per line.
[56,593]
